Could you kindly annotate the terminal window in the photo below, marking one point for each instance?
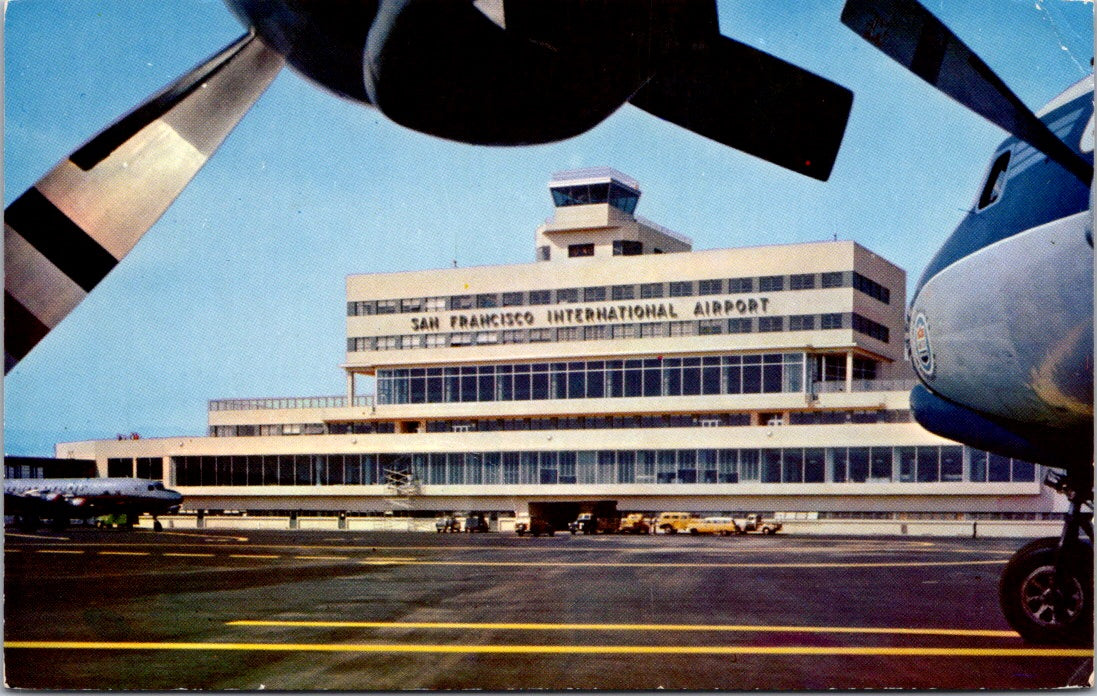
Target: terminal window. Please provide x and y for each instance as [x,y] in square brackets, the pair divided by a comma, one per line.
[771,283]
[623,292]
[740,285]
[627,247]
[801,281]
[767,324]
[567,295]
[682,288]
[594,294]
[801,322]
[710,287]
[832,280]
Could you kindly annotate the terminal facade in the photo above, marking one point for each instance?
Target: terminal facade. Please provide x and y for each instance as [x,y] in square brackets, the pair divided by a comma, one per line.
[621,365]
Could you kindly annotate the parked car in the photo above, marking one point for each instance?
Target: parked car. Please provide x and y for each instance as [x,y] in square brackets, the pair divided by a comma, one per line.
[724,526]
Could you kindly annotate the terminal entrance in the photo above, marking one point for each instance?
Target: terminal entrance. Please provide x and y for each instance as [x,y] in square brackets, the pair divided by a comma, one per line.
[558,515]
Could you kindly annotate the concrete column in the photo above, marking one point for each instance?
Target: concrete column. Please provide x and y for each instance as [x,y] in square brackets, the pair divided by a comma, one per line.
[350,388]
[849,372]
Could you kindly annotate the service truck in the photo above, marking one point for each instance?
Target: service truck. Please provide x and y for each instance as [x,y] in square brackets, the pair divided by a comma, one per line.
[635,523]
[755,523]
[674,522]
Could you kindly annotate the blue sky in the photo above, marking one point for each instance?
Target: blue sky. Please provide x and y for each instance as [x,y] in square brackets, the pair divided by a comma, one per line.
[238,291]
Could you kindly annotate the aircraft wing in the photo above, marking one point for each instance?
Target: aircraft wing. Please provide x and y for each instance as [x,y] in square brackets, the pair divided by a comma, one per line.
[64,234]
[909,34]
[752,101]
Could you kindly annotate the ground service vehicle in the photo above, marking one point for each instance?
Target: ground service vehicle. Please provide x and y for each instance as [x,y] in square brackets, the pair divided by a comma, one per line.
[673,522]
[635,523]
[724,526]
[475,522]
[755,523]
[446,524]
[534,526]
[596,517]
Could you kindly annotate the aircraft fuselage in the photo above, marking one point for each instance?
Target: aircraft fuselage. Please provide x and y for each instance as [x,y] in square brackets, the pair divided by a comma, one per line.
[1001,323]
[87,497]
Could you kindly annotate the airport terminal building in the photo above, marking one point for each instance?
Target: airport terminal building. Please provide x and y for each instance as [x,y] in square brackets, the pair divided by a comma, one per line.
[621,365]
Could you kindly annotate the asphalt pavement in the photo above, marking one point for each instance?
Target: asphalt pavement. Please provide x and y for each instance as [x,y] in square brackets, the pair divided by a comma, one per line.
[88,609]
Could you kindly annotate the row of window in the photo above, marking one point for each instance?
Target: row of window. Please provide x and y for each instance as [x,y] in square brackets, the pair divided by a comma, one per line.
[681,420]
[602,293]
[595,379]
[608,332]
[278,429]
[911,464]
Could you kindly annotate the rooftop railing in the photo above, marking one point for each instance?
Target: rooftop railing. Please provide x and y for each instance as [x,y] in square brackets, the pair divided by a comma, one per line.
[665,230]
[276,403]
[866,385]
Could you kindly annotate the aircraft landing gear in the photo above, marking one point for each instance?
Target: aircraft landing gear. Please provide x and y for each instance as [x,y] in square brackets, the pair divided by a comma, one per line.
[1046,590]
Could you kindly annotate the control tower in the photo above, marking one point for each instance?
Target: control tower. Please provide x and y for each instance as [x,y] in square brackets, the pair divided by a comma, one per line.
[594,218]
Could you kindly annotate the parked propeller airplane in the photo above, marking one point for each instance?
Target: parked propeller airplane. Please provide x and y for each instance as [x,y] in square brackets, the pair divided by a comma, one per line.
[492,72]
[60,500]
[1001,322]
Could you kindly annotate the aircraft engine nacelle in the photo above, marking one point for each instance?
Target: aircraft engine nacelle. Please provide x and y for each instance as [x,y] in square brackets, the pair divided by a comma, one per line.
[491,72]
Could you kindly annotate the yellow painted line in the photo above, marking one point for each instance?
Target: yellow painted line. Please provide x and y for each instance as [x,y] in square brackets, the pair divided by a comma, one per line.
[35,536]
[625,564]
[123,553]
[323,558]
[384,560]
[252,555]
[13,550]
[558,649]
[57,551]
[189,555]
[633,627]
[208,536]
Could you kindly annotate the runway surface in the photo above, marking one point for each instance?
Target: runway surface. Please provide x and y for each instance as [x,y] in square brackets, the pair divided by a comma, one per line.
[388,611]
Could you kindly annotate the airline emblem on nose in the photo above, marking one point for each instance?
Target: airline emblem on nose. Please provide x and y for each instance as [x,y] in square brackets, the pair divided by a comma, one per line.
[923,352]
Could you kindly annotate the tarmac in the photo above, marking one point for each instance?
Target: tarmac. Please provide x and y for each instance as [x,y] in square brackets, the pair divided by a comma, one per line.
[315,610]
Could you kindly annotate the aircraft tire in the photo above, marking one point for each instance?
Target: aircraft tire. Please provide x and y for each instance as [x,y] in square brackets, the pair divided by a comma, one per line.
[1025,587]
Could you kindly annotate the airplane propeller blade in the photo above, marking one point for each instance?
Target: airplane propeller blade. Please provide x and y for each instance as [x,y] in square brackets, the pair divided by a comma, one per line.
[752,101]
[909,34]
[64,234]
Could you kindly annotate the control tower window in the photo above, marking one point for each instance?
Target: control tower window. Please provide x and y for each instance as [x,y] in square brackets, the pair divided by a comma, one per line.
[622,198]
[575,250]
[615,194]
[627,247]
